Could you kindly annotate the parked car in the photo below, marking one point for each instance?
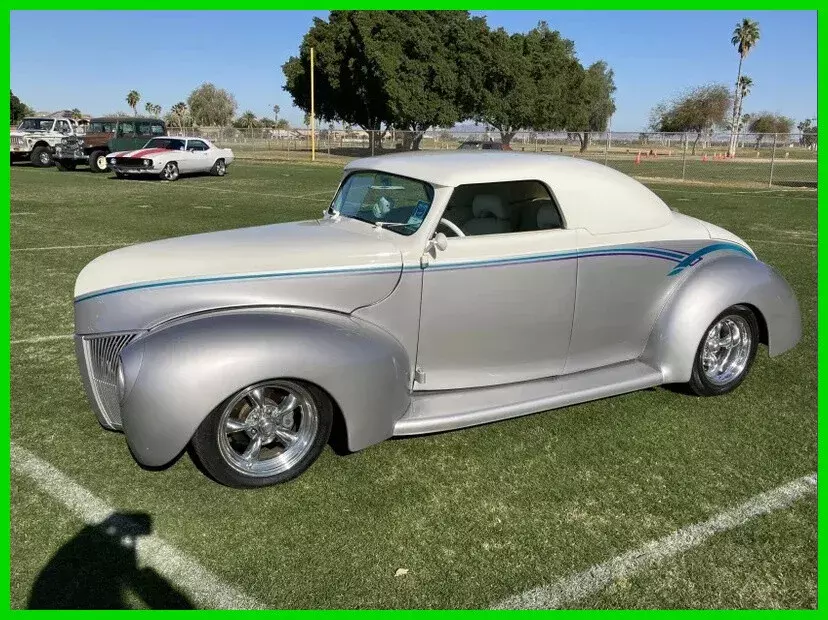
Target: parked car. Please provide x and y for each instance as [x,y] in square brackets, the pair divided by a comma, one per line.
[477,145]
[103,136]
[438,291]
[35,138]
[168,157]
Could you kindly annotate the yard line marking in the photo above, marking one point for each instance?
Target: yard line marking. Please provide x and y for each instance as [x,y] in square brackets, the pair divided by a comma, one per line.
[744,193]
[803,245]
[73,247]
[23,213]
[600,576]
[202,207]
[41,339]
[178,568]
[327,191]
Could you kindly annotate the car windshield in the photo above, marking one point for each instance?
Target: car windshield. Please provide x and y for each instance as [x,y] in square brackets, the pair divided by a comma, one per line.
[400,204]
[36,124]
[173,144]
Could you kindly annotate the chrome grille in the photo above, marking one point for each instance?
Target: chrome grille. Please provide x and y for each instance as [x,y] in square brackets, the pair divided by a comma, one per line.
[16,141]
[101,355]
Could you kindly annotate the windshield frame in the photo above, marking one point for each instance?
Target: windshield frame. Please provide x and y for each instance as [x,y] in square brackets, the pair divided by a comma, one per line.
[400,228]
[168,139]
[39,120]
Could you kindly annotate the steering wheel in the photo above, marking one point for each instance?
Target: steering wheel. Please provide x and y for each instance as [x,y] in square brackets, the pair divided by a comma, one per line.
[453,227]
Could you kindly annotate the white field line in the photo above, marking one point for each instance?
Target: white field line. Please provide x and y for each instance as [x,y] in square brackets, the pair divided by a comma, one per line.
[41,339]
[330,192]
[22,213]
[72,247]
[743,192]
[596,578]
[803,245]
[203,587]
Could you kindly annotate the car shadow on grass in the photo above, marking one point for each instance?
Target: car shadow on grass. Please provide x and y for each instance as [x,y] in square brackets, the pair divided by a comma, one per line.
[98,569]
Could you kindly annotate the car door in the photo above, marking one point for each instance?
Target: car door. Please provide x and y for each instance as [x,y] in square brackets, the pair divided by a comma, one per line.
[197,158]
[497,304]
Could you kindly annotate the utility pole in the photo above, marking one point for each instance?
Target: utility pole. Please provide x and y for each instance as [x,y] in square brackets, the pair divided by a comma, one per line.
[312,114]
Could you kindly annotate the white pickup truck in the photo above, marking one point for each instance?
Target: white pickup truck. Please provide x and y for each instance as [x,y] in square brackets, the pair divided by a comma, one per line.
[35,139]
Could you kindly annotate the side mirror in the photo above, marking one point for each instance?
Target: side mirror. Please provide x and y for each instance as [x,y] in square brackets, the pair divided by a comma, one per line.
[440,241]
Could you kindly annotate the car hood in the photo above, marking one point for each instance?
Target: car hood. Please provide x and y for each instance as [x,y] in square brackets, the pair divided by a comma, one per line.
[296,250]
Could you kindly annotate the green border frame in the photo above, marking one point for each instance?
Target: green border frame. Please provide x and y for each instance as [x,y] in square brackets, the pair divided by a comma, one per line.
[192,5]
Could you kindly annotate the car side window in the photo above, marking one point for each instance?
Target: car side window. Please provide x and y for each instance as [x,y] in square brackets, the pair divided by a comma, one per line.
[497,208]
[157,129]
[126,129]
[196,145]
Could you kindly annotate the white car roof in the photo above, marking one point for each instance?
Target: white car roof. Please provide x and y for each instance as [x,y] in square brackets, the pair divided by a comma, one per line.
[591,196]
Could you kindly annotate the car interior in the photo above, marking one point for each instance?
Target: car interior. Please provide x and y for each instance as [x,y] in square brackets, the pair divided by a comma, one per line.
[497,208]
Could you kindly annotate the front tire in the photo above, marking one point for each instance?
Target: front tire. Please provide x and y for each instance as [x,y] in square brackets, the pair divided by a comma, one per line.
[97,161]
[41,157]
[267,433]
[726,352]
[219,168]
[170,172]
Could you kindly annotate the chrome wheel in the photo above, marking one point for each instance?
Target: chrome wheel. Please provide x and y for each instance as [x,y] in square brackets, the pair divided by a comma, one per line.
[726,350]
[101,162]
[45,158]
[221,168]
[267,428]
[170,172]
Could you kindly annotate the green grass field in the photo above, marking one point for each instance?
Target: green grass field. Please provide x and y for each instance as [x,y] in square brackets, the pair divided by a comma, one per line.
[474,516]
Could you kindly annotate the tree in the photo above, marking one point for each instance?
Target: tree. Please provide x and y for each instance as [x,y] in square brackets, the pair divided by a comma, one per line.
[132,99]
[745,84]
[276,110]
[529,81]
[76,113]
[766,123]
[266,122]
[596,103]
[211,106]
[282,123]
[391,68]
[745,36]
[248,119]
[178,113]
[697,110]
[149,107]
[808,132]
[19,110]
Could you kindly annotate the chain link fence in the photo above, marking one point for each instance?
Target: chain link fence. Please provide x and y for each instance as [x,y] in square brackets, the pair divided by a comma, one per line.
[761,159]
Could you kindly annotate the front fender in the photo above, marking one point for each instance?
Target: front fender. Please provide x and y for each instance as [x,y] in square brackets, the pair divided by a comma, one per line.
[709,289]
[177,374]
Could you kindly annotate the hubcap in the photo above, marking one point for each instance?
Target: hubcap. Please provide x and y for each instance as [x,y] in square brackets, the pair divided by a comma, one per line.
[101,162]
[220,167]
[267,428]
[170,172]
[726,350]
[44,158]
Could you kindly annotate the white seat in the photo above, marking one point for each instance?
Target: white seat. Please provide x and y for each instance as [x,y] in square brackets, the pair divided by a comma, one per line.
[491,216]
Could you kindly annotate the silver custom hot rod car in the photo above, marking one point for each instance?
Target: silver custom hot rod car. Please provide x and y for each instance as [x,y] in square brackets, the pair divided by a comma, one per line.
[437,291]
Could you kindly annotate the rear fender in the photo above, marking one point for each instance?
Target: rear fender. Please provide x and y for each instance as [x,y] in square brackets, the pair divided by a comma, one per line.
[177,374]
[710,288]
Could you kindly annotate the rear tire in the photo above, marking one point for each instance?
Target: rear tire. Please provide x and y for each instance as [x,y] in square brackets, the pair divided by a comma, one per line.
[41,156]
[219,168]
[97,161]
[65,165]
[256,439]
[726,352]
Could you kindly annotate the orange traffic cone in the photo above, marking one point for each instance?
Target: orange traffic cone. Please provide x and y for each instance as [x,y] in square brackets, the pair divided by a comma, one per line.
[638,158]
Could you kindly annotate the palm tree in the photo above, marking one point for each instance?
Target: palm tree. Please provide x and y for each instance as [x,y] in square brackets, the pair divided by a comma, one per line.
[132,99]
[745,37]
[179,111]
[276,110]
[248,118]
[156,109]
[149,107]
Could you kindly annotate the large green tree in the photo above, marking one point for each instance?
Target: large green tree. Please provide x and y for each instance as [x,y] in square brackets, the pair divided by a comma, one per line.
[529,81]
[595,103]
[697,110]
[211,106]
[745,36]
[808,132]
[407,69]
[18,110]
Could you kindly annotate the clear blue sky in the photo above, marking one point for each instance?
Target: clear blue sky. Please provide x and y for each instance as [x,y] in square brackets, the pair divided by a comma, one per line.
[164,55]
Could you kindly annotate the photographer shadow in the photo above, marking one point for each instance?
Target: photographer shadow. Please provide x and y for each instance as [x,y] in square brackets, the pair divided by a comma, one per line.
[98,569]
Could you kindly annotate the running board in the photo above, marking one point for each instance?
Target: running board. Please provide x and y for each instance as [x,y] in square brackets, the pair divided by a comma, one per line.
[438,411]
